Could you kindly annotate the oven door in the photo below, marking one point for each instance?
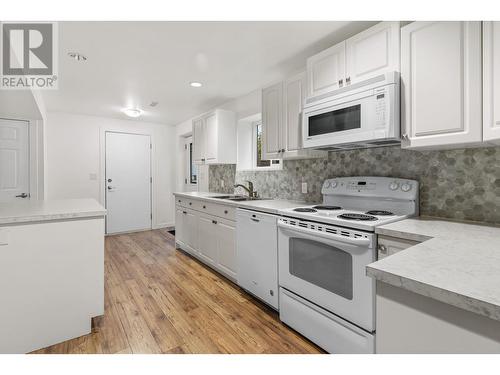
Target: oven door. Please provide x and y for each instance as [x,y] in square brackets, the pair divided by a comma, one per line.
[329,269]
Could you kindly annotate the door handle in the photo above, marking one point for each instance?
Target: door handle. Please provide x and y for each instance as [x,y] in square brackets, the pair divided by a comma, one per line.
[23,195]
[110,187]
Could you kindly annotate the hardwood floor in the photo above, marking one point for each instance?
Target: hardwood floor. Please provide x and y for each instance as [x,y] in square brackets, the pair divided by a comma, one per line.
[161,300]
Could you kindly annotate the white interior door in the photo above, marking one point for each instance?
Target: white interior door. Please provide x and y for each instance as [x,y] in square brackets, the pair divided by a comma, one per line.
[14,160]
[128,182]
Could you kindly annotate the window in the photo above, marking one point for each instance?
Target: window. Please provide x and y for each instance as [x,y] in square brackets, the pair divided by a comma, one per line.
[260,163]
[193,168]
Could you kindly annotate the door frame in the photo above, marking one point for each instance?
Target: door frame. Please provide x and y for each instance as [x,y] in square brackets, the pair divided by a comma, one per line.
[188,186]
[102,169]
[36,186]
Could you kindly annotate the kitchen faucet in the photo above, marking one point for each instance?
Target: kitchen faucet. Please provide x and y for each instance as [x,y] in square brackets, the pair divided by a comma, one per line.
[249,189]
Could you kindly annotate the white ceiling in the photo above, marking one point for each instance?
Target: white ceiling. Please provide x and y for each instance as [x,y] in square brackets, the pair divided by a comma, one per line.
[133,63]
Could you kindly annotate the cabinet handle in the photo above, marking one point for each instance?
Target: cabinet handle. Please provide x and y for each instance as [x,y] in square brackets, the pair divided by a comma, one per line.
[256,220]
[214,221]
[405,136]
[382,249]
[179,201]
[282,150]
[348,81]
[341,82]
[204,206]
[190,203]
[225,211]
[202,159]
[184,212]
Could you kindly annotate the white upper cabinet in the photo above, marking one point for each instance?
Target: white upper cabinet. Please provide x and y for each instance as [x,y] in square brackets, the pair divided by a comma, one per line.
[199,140]
[294,91]
[373,52]
[491,82]
[272,99]
[214,138]
[370,53]
[282,120]
[326,70]
[441,84]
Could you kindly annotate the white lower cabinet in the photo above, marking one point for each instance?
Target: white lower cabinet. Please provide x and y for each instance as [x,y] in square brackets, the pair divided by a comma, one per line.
[208,236]
[226,247]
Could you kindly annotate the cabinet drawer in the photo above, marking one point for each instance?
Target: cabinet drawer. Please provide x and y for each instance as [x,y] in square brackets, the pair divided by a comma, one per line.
[187,202]
[220,210]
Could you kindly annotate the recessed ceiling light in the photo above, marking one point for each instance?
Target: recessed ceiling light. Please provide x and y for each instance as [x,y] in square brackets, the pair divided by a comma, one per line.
[77,56]
[153,104]
[132,112]
[195,84]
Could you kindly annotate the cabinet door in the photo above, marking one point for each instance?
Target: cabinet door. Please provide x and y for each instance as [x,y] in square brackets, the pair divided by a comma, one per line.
[373,52]
[207,238]
[226,247]
[198,141]
[293,100]
[326,70]
[441,80]
[211,136]
[491,81]
[272,101]
[190,229]
[179,225]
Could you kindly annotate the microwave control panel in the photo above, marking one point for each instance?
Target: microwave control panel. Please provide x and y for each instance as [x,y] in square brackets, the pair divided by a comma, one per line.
[380,97]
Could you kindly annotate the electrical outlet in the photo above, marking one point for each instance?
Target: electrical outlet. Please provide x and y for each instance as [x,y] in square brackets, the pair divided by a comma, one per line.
[304,188]
[221,183]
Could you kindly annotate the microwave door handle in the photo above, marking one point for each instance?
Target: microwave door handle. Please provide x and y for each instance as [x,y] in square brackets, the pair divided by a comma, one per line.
[327,236]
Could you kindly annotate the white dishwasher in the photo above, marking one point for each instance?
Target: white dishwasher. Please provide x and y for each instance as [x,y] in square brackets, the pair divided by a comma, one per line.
[257,253]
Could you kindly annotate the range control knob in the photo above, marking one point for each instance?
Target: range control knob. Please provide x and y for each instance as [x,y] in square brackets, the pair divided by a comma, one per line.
[393,185]
[406,187]
[326,185]
[333,184]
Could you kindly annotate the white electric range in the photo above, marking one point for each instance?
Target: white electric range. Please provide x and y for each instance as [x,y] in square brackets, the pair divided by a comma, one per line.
[323,251]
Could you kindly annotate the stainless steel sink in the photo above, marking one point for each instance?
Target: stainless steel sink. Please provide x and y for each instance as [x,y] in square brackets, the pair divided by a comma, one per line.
[236,198]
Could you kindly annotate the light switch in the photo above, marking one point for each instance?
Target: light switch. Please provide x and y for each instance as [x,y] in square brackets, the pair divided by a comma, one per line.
[93,176]
[304,188]
[221,183]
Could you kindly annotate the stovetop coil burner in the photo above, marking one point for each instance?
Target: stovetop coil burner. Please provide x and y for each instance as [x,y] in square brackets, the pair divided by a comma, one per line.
[327,208]
[379,213]
[358,217]
[304,209]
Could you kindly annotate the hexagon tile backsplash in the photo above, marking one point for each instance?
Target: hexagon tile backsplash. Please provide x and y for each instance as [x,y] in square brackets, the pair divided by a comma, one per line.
[459,184]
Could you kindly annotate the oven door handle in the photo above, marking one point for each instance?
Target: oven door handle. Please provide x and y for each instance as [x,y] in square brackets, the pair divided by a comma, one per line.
[327,236]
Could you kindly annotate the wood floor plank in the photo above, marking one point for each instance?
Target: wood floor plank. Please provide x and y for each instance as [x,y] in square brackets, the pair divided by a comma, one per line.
[161,300]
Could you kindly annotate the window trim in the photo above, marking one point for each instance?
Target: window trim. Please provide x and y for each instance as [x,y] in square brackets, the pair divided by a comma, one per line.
[272,167]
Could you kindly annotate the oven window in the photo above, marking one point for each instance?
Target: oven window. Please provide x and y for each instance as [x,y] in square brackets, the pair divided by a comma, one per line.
[335,121]
[323,265]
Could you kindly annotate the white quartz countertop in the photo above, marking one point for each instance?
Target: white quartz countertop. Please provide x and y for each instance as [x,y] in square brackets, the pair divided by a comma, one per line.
[456,263]
[24,211]
[265,205]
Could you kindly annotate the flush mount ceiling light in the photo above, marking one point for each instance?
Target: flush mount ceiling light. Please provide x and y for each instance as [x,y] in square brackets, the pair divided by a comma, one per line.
[77,56]
[132,112]
[195,84]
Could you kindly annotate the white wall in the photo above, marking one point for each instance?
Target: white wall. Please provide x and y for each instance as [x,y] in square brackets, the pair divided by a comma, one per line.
[73,152]
[243,106]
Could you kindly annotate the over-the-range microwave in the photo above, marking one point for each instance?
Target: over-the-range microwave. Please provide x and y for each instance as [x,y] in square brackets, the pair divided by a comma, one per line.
[364,114]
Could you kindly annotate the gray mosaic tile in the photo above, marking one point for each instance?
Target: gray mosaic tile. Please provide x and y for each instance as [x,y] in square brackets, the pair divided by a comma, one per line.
[459,184]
